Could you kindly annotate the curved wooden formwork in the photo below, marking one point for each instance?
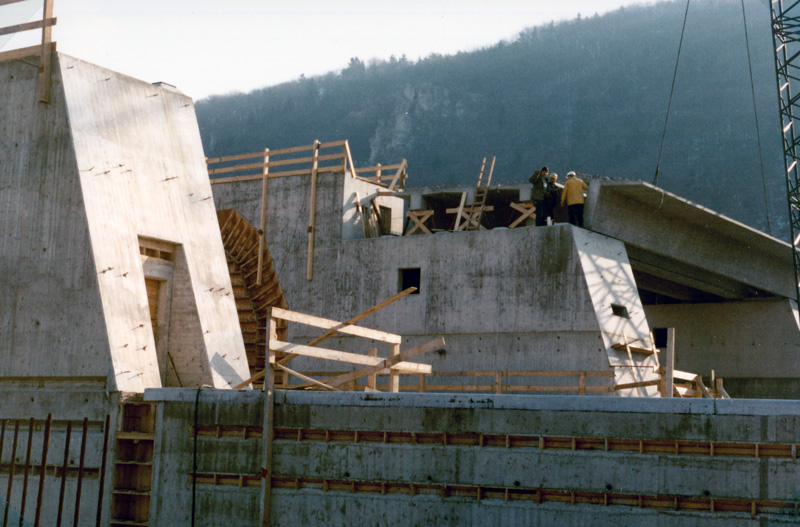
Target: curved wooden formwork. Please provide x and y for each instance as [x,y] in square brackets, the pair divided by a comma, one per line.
[253,300]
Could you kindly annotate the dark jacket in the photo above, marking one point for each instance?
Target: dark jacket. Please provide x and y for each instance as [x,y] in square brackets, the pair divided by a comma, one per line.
[539,182]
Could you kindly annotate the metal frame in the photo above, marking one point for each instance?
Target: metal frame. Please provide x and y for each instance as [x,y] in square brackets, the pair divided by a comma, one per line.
[786,39]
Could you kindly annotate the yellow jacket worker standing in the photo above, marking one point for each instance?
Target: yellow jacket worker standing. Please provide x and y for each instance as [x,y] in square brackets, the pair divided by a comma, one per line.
[572,196]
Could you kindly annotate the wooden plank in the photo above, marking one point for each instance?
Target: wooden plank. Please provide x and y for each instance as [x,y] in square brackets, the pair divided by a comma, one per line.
[684,376]
[312,213]
[8,2]
[28,26]
[238,157]
[20,53]
[349,157]
[401,171]
[331,144]
[371,379]
[339,327]
[386,363]
[639,350]
[305,377]
[460,210]
[486,208]
[640,384]
[394,379]
[45,54]
[342,356]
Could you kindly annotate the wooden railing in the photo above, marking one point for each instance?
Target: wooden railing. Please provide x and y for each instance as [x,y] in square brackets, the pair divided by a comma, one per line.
[44,50]
[479,381]
[317,157]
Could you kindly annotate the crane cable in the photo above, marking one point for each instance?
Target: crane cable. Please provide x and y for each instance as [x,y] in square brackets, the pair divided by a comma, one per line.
[755,112]
[671,91]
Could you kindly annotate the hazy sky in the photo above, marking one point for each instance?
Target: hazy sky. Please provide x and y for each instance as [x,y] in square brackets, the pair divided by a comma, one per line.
[213,47]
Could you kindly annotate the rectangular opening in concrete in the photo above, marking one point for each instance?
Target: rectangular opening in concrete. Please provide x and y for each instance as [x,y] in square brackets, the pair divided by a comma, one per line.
[409,277]
[620,311]
[660,337]
[385,219]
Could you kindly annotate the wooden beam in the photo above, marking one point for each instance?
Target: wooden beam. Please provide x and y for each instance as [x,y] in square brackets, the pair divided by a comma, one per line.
[39,24]
[400,171]
[21,53]
[339,327]
[45,57]
[460,210]
[312,213]
[305,377]
[349,157]
[343,356]
[394,378]
[263,223]
[268,437]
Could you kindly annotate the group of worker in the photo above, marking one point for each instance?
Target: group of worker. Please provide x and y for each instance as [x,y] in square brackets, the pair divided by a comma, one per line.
[547,195]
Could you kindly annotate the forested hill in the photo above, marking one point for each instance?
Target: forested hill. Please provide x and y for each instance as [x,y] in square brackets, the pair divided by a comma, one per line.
[588,95]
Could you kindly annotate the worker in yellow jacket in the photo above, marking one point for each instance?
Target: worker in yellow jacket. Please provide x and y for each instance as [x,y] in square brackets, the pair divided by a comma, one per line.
[572,197]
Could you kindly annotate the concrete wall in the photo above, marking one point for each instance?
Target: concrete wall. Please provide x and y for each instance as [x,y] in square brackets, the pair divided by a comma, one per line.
[519,299]
[111,160]
[328,478]
[738,340]
[50,309]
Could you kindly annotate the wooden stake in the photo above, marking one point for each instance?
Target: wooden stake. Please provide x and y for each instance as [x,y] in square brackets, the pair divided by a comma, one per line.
[268,432]
[460,210]
[46,54]
[312,213]
[394,377]
[372,378]
[263,224]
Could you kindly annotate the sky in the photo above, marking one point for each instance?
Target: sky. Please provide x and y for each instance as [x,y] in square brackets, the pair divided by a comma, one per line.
[216,47]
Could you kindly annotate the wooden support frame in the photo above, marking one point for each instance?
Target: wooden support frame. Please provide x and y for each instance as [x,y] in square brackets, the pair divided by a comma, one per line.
[418,217]
[526,210]
[333,331]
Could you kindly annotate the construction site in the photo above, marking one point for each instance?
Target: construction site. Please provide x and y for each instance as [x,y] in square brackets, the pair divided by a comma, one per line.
[282,338]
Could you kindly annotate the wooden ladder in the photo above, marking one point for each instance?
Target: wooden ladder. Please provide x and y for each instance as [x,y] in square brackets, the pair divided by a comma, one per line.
[474,212]
[133,466]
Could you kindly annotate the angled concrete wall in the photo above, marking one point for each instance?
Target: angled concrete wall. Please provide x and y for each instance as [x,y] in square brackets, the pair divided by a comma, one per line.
[111,161]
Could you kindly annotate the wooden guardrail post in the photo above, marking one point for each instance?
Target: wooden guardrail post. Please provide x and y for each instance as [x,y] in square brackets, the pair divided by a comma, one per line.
[263,224]
[312,211]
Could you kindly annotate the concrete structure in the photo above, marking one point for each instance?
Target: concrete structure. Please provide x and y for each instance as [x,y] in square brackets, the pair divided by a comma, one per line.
[105,190]
[121,332]
[548,298]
